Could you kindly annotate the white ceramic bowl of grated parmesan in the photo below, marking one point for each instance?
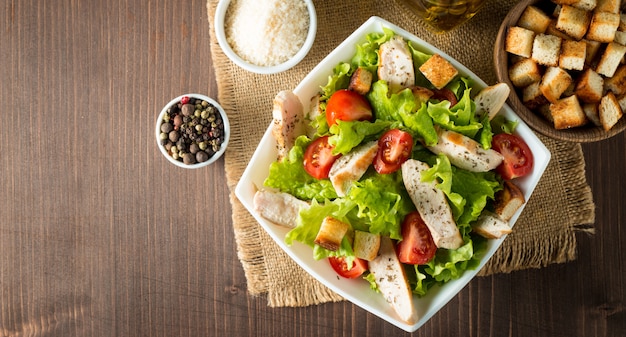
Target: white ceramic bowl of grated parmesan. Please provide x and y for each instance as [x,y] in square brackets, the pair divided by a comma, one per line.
[265,37]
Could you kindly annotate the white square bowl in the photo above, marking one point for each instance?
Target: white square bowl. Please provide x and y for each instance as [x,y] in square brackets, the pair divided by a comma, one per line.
[358,291]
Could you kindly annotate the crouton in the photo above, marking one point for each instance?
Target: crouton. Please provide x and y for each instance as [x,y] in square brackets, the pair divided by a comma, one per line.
[589,87]
[554,83]
[573,55]
[567,113]
[620,37]
[617,83]
[331,233]
[534,19]
[573,21]
[508,200]
[422,94]
[622,22]
[591,111]
[622,102]
[361,81]
[552,30]
[544,111]
[603,26]
[587,5]
[524,72]
[609,111]
[611,59]
[519,41]
[438,71]
[532,97]
[591,49]
[546,50]
[366,245]
[611,6]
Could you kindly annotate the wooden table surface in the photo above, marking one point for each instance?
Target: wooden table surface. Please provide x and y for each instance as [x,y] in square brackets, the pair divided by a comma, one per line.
[101,236]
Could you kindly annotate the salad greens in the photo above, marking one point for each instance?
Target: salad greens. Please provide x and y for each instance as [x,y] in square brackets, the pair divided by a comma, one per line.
[378,203]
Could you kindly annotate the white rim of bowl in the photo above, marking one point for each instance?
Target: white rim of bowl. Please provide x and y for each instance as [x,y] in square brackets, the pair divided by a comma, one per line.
[216,155]
[220,34]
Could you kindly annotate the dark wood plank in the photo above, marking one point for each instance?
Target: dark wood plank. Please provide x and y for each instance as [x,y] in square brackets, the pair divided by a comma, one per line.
[100,236]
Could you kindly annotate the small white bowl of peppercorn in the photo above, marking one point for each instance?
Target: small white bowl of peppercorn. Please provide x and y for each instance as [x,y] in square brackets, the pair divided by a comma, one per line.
[192,131]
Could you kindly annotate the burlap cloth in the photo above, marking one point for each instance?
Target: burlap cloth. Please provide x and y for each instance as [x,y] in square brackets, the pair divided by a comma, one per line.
[545,233]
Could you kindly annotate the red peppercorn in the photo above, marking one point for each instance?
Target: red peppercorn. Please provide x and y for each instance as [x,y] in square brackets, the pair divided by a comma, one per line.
[184,100]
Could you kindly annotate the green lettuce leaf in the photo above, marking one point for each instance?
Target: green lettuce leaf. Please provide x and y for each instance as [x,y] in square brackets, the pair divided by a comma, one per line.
[348,135]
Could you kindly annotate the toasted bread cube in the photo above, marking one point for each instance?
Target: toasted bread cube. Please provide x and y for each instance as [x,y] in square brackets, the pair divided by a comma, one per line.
[591,111]
[366,245]
[361,81]
[573,55]
[544,111]
[508,200]
[552,30]
[532,97]
[610,111]
[617,83]
[534,19]
[567,113]
[546,50]
[438,71]
[587,5]
[590,86]
[622,22]
[573,21]
[422,94]
[620,37]
[603,26]
[554,83]
[519,41]
[611,59]
[524,72]
[611,6]
[592,49]
[622,102]
[331,233]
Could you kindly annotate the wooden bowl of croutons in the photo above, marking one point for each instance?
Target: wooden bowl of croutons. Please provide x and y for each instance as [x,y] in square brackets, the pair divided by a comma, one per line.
[565,62]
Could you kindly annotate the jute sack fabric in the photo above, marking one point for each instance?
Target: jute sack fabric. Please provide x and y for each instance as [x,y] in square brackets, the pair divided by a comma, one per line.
[545,233]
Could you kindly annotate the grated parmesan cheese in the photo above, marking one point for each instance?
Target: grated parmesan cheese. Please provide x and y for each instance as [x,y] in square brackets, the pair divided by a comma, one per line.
[268,32]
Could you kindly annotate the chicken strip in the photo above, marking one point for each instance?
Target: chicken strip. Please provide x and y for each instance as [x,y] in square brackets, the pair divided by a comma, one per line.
[278,207]
[396,64]
[350,168]
[432,205]
[288,121]
[465,152]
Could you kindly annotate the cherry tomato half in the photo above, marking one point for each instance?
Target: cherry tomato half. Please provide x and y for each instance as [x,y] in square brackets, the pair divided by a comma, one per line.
[318,158]
[444,94]
[347,105]
[417,245]
[394,148]
[341,267]
[518,158]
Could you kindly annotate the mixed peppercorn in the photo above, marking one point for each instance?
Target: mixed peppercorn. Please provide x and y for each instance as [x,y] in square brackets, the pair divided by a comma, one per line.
[192,130]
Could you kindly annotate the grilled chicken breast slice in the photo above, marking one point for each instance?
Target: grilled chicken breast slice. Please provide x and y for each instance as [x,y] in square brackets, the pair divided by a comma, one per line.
[350,168]
[465,152]
[288,121]
[432,205]
[392,282]
[396,64]
[278,207]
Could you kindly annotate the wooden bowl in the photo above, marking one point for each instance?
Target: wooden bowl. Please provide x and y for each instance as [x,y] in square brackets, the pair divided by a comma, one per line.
[587,133]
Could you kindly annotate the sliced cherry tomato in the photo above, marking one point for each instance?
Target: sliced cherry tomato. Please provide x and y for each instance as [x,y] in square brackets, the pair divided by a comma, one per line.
[341,267]
[518,158]
[394,148]
[444,94]
[318,158]
[417,245]
[347,105]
